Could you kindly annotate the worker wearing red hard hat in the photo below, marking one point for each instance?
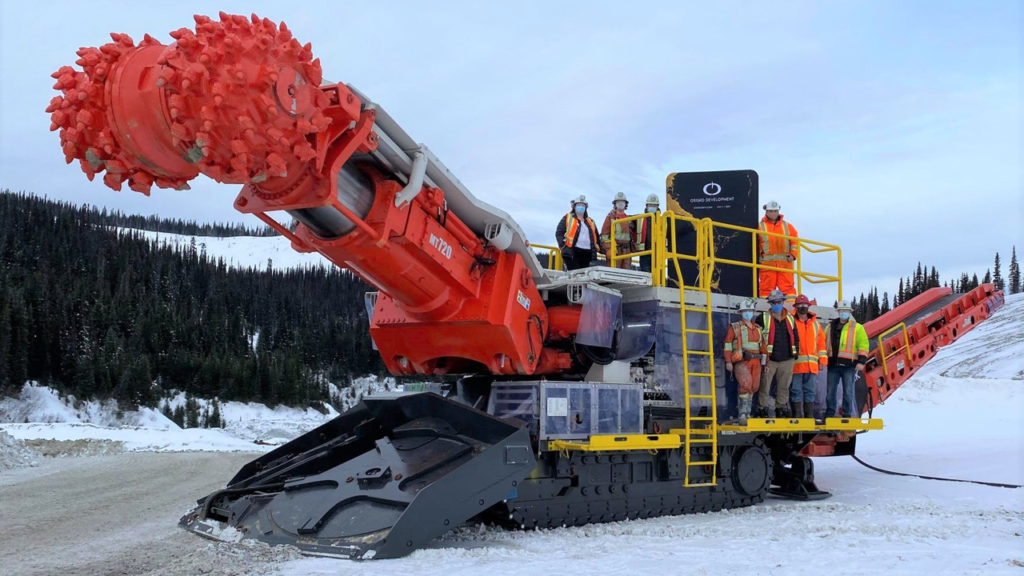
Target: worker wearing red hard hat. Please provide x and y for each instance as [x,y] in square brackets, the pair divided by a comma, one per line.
[810,355]
[744,353]
[846,344]
[776,252]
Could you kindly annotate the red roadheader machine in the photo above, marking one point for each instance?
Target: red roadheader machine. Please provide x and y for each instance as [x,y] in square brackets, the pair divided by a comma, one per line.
[590,396]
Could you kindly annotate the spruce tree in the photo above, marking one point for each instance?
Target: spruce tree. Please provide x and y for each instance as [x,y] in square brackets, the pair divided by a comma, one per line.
[997,277]
[1014,273]
[988,276]
[885,303]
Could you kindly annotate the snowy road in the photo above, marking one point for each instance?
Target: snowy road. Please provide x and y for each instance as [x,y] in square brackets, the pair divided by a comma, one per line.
[109,515]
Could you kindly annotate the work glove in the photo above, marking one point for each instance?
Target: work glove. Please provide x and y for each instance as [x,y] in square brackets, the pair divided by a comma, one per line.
[728,366]
[790,257]
[566,253]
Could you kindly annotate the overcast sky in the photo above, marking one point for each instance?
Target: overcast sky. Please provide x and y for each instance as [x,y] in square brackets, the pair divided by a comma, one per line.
[893,129]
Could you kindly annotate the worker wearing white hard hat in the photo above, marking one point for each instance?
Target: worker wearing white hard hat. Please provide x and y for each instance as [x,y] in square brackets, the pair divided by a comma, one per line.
[776,252]
[622,234]
[846,346]
[744,351]
[577,236]
[644,229]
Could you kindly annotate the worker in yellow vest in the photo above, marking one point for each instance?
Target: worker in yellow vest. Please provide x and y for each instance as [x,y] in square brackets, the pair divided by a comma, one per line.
[810,356]
[776,253]
[744,352]
[576,235]
[781,344]
[846,344]
[622,234]
[645,229]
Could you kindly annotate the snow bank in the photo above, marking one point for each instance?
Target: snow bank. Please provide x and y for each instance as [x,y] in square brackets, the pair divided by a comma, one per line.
[256,422]
[37,403]
[136,438]
[14,453]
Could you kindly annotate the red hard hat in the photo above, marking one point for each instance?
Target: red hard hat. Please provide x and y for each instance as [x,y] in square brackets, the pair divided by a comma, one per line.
[801,299]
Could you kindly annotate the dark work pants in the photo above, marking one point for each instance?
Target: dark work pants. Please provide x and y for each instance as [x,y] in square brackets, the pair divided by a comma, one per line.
[581,258]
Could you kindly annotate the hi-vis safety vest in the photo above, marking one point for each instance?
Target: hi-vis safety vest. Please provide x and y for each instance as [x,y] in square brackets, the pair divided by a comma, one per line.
[750,342]
[643,226]
[572,226]
[808,363]
[769,333]
[619,230]
[766,253]
[850,346]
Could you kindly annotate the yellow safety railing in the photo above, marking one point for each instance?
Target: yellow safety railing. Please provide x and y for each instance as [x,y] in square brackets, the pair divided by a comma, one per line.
[906,346]
[554,255]
[654,222]
[663,249]
[802,244]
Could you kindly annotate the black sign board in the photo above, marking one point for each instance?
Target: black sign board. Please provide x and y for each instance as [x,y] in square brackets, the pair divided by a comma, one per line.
[729,197]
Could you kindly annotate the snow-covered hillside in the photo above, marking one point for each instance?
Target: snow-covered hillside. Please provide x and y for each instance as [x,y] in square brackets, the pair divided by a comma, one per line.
[238,251]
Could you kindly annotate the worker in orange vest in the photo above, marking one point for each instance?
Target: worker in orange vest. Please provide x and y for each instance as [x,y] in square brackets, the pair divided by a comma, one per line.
[776,252]
[781,342]
[744,353]
[623,235]
[810,355]
[576,235]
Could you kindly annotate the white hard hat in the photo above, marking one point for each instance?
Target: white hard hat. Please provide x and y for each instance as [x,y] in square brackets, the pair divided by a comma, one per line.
[581,199]
[620,196]
[844,305]
[653,199]
[746,304]
[772,205]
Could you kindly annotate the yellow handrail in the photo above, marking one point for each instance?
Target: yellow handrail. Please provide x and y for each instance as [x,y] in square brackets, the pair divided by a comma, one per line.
[905,347]
[554,255]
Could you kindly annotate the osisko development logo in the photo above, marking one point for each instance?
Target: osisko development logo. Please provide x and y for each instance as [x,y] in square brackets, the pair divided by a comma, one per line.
[712,189]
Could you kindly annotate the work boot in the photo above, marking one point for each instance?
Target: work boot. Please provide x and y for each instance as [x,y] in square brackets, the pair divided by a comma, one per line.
[745,401]
[809,412]
[796,409]
[782,410]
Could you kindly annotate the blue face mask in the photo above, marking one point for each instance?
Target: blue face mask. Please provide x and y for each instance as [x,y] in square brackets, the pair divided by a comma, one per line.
[776,308]
[748,315]
[652,209]
[581,209]
[844,316]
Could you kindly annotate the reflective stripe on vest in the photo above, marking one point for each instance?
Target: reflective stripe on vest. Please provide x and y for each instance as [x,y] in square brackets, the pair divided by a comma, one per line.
[742,331]
[572,226]
[846,351]
[769,333]
[766,246]
[641,236]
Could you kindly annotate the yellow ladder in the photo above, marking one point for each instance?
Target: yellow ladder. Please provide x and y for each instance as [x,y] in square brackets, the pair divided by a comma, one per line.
[699,431]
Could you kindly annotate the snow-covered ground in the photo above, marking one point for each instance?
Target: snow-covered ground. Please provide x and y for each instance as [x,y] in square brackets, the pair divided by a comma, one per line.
[238,251]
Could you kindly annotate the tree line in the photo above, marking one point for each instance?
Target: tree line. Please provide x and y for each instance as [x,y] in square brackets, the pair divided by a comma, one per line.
[97,313]
[869,306]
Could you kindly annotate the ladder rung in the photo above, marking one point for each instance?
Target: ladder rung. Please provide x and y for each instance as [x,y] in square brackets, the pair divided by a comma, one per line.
[702,396]
[700,352]
[697,331]
[703,463]
[702,310]
[700,374]
[688,485]
[701,440]
[700,418]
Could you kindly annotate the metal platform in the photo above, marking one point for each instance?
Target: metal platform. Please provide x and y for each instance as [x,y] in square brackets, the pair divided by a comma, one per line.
[674,439]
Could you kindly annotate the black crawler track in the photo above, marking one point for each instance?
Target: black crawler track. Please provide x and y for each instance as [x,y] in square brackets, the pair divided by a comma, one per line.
[586,488]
